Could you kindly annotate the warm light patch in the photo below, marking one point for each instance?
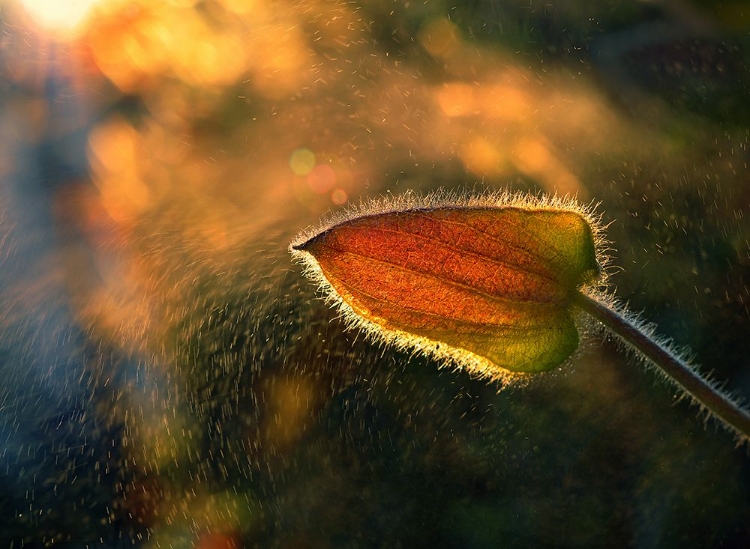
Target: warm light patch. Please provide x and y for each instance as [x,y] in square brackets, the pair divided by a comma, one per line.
[535,157]
[116,161]
[482,157]
[440,37]
[134,45]
[505,102]
[339,197]
[302,161]
[63,16]
[240,7]
[456,99]
[321,179]
[279,61]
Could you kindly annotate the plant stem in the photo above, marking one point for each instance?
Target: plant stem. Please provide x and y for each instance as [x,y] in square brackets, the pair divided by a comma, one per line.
[674,367]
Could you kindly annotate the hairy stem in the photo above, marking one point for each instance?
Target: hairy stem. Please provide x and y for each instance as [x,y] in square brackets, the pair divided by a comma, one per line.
[673,366]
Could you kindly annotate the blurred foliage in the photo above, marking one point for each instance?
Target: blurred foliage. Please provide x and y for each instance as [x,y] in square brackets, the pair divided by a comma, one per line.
[170,378]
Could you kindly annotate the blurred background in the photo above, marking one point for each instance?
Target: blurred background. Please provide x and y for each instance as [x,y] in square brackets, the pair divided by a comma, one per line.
[170,380]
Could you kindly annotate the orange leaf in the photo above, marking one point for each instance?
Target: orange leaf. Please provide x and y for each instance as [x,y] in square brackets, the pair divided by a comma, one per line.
[483,282]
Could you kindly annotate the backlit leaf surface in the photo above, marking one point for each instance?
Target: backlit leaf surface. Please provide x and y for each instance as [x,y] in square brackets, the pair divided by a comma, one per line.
[486,287]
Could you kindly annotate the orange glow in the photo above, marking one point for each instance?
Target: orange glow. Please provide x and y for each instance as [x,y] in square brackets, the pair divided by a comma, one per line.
[65,17]
[302,161]
[114,159]
[505,102]
[278,62]
[339,197]
[136,45]
[482,157]
[456,99]
[534,157]
[321,179]
[218,541]
[240,7]
[439,37]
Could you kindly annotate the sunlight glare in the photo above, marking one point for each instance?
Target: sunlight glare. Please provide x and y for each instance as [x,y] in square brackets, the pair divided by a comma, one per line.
[62,17]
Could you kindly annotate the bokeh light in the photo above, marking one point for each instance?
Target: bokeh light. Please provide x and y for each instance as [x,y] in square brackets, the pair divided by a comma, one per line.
[339,197]
[440,37]
[302,161]
[321,179]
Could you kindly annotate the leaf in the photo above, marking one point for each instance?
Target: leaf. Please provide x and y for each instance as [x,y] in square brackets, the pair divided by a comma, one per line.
[485,283]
